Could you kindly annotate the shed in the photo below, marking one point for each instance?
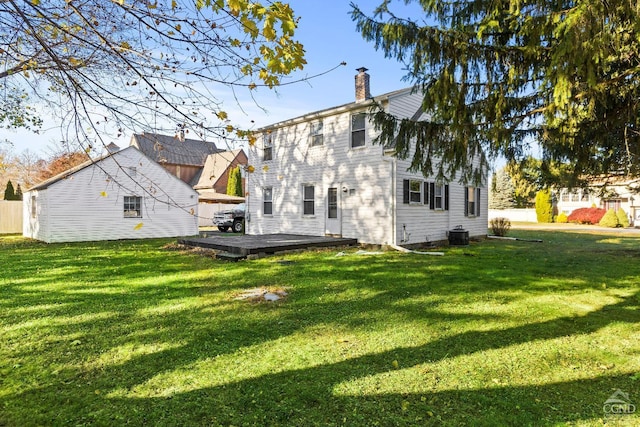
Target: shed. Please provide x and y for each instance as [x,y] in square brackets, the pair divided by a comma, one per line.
[123,195]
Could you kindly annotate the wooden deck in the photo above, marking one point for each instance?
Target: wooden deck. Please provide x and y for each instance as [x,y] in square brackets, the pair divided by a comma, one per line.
[245,245]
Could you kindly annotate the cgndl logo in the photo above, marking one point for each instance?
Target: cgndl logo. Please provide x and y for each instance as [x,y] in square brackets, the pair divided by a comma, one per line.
[619,404]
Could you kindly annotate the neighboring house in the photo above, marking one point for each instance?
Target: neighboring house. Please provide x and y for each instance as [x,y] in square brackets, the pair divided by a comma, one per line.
[320,174]
[211,183]
[123,195]
[201,164]
[182,157]
[214,175]
[615,193]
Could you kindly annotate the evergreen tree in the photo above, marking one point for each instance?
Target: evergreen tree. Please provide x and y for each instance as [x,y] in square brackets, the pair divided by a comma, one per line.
[239,186]
[610,219]
[544,206]
[623,219]
[502,191]
[496,76]
[9,193]
[234,182]
[18,192]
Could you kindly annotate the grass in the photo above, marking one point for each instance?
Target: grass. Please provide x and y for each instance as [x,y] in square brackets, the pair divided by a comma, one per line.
[497,333]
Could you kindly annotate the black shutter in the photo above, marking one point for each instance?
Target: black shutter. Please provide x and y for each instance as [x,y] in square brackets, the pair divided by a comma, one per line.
[466,201]
[425,193]
[477,202]
[446,197]
[405,191]
[432,195]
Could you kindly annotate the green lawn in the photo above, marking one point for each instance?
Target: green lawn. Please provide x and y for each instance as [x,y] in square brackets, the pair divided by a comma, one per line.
[497,333]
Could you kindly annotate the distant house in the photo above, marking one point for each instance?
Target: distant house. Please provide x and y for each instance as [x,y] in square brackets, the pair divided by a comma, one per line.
[612,193]
[211,183]
[182,157]
[321,174]
[123,195]
[201,164]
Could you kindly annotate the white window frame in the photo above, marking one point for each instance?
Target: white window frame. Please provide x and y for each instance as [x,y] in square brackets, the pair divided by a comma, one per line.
[267,200]
[471,201]
[355,130]
[306,200]
[438,199]
[316,134]
[267,147]
[419,192]
[132,207]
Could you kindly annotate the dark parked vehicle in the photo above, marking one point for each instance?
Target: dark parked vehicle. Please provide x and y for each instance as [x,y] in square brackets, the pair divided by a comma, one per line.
[230,219]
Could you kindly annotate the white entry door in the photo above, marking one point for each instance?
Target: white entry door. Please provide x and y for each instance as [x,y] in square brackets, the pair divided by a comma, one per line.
[333,216]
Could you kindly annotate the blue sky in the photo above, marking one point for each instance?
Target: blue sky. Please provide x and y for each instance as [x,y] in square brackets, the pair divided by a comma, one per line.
[328,34]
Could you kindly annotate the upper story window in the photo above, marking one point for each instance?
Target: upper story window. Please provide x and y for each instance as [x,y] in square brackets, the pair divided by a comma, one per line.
[267,147]
[316,136]
[357,130]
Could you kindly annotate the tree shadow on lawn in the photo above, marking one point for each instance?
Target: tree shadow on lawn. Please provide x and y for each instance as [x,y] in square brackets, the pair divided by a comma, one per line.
[307,396]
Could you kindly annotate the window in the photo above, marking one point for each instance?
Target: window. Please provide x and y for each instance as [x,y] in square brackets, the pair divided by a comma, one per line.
[316,134]
[585,195]
[472,201]
[415,191]
[357,130]
[564,196]
[575,196]
[267,200]
[439,196]
[267,147]
[132,207]
[308,200]
[332,203]
[33,207]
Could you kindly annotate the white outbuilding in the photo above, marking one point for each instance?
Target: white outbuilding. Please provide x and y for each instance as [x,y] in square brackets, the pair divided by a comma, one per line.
[123,195]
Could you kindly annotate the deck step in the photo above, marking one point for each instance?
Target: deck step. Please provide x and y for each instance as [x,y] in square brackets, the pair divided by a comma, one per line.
[228,256]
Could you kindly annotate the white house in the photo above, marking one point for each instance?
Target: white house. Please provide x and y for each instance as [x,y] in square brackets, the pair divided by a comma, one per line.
[614,192]
[320,174]
[123,195]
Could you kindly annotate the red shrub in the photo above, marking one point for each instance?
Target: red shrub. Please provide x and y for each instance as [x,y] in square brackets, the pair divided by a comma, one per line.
[586,215]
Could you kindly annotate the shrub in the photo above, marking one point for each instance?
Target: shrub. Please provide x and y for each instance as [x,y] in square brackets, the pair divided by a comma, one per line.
[586,215]
[500,226]
[623,219]
[544,206]
[562,218]
[610,219]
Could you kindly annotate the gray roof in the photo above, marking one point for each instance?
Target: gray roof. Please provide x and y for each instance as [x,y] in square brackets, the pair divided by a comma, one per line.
[174,150]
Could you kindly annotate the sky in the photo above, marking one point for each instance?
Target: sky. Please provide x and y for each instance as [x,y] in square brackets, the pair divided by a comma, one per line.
[329,37]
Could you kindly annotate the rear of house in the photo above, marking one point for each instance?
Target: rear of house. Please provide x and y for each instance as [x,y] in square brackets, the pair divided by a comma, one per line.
[124,195]
[321,174]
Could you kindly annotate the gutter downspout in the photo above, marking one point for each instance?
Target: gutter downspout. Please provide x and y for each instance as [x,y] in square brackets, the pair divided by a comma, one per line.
[392,199]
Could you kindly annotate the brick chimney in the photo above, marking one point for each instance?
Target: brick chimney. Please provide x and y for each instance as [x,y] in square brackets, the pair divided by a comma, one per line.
[362,85]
